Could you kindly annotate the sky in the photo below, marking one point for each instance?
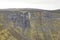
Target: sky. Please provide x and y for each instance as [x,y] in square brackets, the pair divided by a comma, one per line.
[38,4]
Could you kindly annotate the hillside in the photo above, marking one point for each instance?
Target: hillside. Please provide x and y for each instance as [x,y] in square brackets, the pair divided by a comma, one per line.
[29,24]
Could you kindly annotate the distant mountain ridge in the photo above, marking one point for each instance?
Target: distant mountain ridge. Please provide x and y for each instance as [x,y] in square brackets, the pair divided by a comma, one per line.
[28,9]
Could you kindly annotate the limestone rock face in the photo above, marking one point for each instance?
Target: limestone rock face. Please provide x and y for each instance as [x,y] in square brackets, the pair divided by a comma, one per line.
[29,24]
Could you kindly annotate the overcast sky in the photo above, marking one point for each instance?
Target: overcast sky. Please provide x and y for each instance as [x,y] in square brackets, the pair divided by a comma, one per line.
[39,4]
